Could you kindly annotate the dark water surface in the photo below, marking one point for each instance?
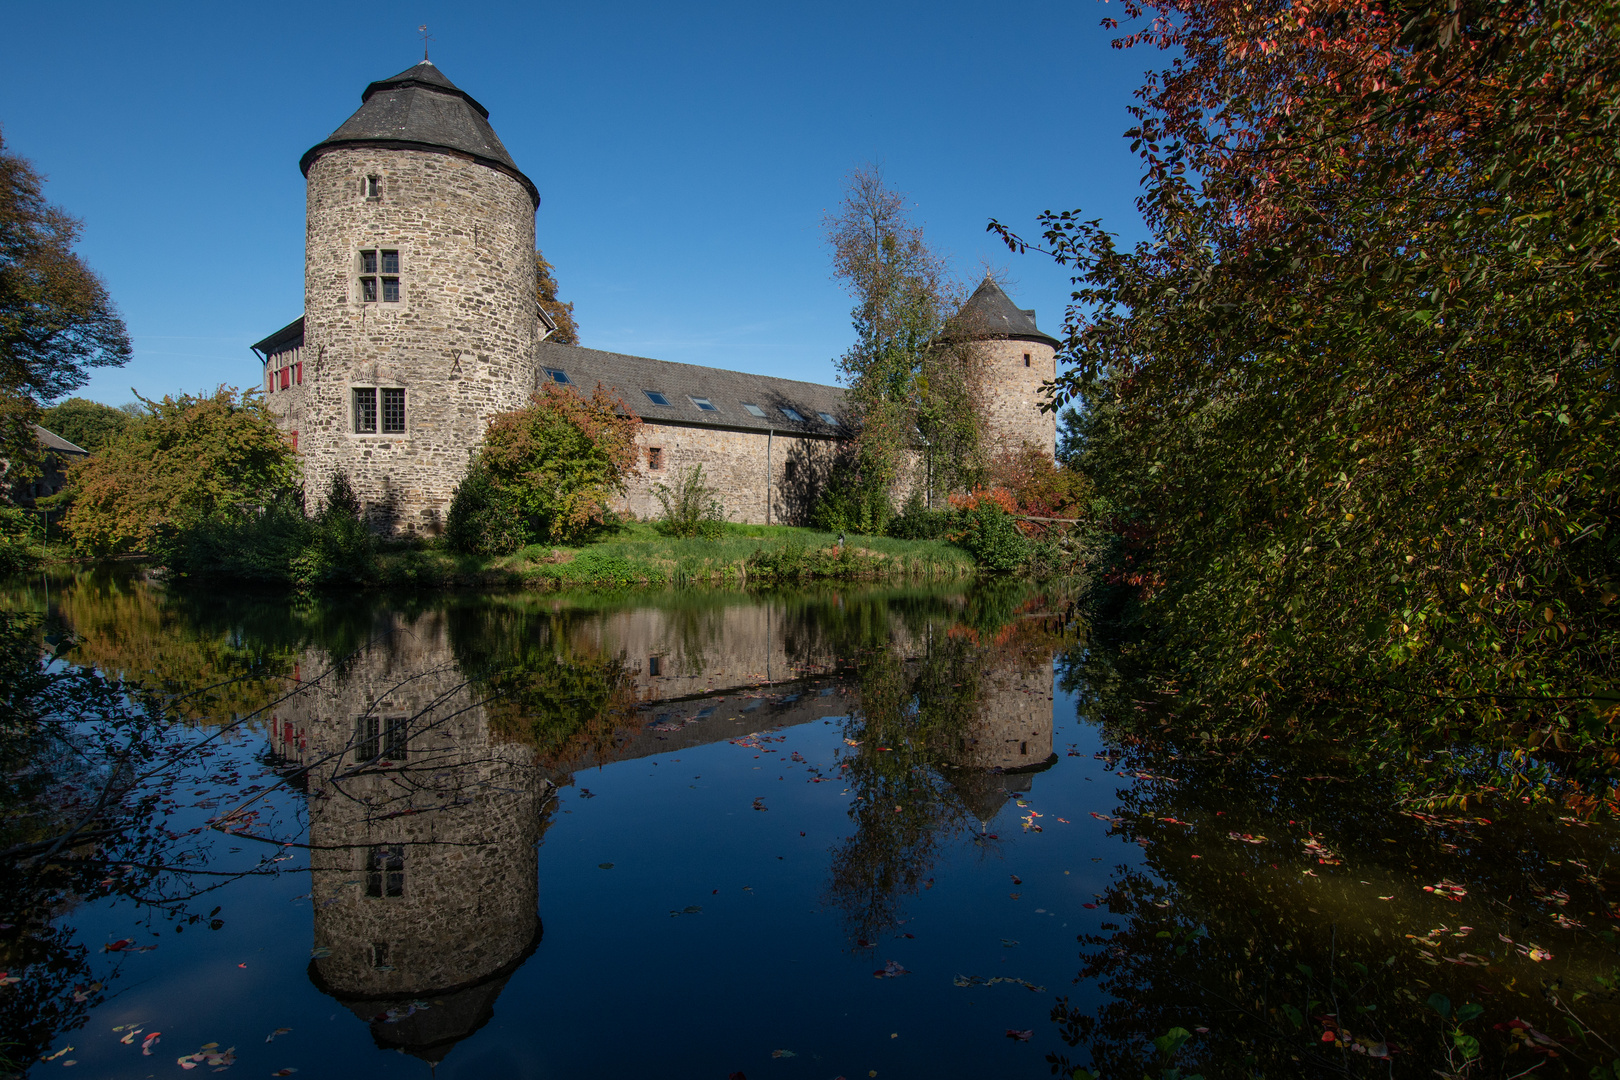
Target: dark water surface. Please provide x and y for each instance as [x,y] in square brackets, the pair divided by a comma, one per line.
[841,833]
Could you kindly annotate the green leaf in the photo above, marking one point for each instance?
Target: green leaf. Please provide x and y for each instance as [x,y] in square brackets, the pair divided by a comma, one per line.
[1467,1044]
[1468,1012]
[1440,1004]
[1171,1041]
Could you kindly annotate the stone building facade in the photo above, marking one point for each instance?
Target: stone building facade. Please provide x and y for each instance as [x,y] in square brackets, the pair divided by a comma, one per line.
[421,323]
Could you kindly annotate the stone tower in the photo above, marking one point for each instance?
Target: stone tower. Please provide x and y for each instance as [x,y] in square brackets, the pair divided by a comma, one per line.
[420,319]
[1017,358]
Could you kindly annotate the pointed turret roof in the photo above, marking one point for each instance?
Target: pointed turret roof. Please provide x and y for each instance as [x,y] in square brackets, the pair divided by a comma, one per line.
[421,109]
[990,313]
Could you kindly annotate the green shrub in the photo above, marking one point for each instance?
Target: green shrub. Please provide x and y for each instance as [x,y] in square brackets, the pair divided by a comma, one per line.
[280,546]
[691,507]
[19,536]
[917,522]
[481,521]
[991,536]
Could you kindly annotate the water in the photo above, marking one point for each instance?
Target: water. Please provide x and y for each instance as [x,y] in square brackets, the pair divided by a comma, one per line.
[838,833]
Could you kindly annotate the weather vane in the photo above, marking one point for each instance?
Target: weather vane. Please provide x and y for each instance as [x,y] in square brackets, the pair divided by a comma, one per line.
[426,37]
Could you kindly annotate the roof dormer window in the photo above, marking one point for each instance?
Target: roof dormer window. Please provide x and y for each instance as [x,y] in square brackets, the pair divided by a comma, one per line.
[754,410]
[656,398]
[557,375]
[828,419]
[792,414]
[703,404]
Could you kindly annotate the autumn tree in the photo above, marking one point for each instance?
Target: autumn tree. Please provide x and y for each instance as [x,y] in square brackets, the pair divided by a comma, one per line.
[545,473]
[545,289]
[56,319]
[1355,397]
[85,423]
[907,387]
[191,460]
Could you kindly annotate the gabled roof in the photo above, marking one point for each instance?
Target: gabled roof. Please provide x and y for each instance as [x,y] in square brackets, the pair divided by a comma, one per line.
[50,440]
[990,313]
[632,376]
[421,109]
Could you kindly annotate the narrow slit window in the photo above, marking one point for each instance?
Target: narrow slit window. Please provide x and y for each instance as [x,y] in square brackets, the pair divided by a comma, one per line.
[792,414]
[754,410]
[655,457]
[372,187]
[1026,359]
[379,956]
[385,872]
[655,665]
[365,411]
[656,398]
[703,404]
[393,411]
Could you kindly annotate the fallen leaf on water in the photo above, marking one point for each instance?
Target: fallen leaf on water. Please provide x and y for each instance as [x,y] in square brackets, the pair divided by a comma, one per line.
[1014,895]
[59,1053]
[604,866]
[284,1072]
[1021,1036]
[689,909]
[783,1053]
[1017,880]
[893,969]
[279,1031]
[1007,943]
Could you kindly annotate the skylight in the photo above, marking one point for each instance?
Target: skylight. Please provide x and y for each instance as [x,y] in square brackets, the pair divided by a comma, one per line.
[703,403]
[792,414]
[655,397]
[557,375]
[754,410]
[828,418]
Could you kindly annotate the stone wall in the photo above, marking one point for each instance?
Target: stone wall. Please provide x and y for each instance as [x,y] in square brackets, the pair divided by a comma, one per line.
[460,341]
[1012,394]
[734,463]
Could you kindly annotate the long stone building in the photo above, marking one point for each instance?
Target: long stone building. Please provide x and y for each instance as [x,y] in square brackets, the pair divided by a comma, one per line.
[421,323]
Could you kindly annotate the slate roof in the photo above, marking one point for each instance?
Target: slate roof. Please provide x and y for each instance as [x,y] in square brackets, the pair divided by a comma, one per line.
[990,313]
[50,440]
[421,109]
[288,336]
[632,376]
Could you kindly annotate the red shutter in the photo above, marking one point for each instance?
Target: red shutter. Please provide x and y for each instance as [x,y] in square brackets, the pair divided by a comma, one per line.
[298,373]
[286,378]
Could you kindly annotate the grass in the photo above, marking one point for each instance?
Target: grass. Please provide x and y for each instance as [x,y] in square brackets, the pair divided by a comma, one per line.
[638,554]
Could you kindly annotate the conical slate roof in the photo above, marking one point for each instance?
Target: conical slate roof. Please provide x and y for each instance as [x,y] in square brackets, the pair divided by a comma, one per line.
[990,313]
[421,109]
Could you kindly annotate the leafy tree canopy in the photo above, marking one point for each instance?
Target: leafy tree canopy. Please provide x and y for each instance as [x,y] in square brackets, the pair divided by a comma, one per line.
[86,423]
[545,288]
[193,459]
[1355,399]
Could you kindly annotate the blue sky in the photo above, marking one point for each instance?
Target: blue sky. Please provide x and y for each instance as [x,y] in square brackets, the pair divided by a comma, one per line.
[685,155]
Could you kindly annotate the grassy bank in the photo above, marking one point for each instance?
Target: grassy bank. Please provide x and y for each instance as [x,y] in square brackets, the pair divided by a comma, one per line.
[638,554]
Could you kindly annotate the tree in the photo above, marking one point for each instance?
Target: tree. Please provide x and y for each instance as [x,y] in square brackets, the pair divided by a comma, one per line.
[1359,390]
[193,459]
[545,289]
[545,473]
[56,319]
[906,386]
[85,423]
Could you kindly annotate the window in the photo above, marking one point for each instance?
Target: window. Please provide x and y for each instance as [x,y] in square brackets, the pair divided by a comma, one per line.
[754,410]
[365,739]
[1023,748]
[365,411]
[371,187]
[379,956]
[557,375]
[792,414]
[655,665]
[379,276]
[1026,359]
[655,457]
[385,873]
[393,412]
[828,418]
[703,404]
[655,397]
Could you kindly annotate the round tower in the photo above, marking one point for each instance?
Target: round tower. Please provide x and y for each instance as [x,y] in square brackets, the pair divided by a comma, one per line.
[1016,358]
[419,297]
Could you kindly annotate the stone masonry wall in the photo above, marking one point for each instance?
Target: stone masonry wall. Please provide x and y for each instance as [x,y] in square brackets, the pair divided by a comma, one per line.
[734,463]
[460,341]
[1013,394]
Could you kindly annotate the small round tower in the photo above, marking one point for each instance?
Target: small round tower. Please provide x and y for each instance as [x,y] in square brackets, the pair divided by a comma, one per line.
[419,297]
[1016,358]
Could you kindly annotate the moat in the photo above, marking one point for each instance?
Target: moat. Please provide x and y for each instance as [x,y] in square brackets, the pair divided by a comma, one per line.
[871,832]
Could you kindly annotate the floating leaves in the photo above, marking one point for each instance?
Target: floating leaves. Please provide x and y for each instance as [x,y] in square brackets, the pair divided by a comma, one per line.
[979,980]
[892,970]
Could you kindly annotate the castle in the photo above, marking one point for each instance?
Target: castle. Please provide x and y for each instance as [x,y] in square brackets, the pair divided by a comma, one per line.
[421,322]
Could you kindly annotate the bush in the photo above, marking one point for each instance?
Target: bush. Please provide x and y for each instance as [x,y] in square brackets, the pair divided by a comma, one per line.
[280,546]
[19,547]
[547,472]
[917,522]
[990,533]
[691,507]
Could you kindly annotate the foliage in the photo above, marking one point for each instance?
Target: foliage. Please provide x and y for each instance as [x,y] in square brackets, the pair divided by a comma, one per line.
[917,522]
[691,507]
[987,529]
[56,319]
[480,521]
[19,546]
[194,459]
[548,472]
[85,423]
[1356,396]
[854,499]
[903,382]
[278,545]
[545,289]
